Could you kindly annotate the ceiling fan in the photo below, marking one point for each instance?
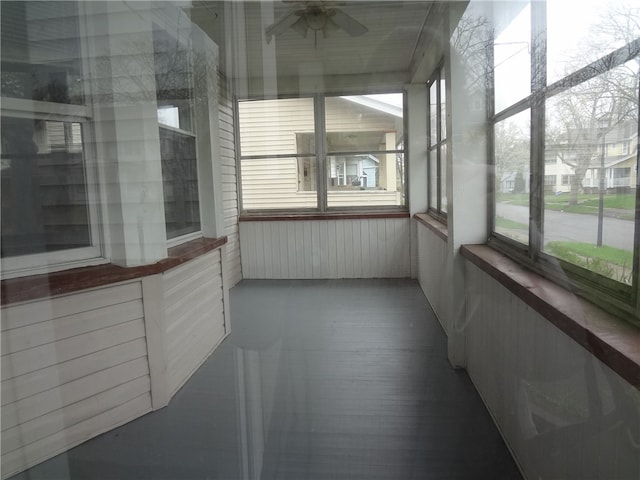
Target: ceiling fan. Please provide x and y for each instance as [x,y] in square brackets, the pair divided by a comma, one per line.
[317,16]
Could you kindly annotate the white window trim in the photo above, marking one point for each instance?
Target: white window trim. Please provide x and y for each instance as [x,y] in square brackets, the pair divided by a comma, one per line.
[47,262]
[174,242]
[94,254]
[179,240]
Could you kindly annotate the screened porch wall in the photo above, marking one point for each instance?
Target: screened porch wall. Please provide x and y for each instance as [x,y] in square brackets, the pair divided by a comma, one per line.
[541,387]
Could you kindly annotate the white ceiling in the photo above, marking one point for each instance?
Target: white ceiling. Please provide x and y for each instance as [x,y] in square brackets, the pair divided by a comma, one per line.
[385,56]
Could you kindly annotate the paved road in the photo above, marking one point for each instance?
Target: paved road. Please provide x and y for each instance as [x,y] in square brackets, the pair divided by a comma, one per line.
[575,227]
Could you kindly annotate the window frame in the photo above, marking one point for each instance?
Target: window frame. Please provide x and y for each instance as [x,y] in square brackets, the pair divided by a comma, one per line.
[96,252]
[187,44]
[434,149]
[321,155]
[620,299]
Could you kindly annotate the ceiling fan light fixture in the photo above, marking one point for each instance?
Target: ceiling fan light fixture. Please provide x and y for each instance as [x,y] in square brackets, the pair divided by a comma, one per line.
[316,18]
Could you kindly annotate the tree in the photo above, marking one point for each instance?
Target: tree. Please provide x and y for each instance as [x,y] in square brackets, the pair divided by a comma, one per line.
[579,118]
[511,151]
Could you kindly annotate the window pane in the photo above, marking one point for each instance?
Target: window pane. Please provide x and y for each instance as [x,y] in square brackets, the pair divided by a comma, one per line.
[279,183]
[433,113]
[180,183]
[38,61]
[512,54]
[367,124]
[44,188]
[512,140]
[433,179]
[443,178]
[277,127]
[363,123]
[173,81]
[579,36]
[590,165]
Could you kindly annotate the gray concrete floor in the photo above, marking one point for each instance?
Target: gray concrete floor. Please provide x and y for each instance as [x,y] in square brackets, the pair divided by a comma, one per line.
[336,379]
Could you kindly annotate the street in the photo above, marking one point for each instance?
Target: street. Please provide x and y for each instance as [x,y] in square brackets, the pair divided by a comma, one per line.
[575,227]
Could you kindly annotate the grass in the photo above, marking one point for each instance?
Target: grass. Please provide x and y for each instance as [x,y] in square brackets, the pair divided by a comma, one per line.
[613,255]
[623,202]
[610,262]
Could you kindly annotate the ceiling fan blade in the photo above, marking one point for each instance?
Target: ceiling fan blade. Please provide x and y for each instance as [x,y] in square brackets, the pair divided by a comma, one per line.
[300,26]
[281,25]
[347,22]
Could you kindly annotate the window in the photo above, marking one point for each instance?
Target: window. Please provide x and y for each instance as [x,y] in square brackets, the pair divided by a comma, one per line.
[561,134]
[177,138]
[322,153]
[437,116]
[48,213]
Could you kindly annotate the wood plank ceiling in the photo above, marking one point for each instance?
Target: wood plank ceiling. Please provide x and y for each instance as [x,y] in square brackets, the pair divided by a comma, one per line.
[386,50]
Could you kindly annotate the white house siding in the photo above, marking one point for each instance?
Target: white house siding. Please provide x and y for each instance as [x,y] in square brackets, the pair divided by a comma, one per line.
[73,367]
[366,248]
[514,352]
[269,127]
[233,267]
[433,272]
[194,316]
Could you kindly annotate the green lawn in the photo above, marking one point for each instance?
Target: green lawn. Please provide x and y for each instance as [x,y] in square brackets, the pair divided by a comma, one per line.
[613,255]
[610,262]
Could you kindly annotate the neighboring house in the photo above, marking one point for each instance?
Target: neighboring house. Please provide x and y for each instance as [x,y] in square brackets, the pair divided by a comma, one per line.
[362,138]
[557,173]
[619,163]
[509,181]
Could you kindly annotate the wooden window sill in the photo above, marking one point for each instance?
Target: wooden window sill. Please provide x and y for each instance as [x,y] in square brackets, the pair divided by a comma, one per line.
[612,340]
[68,281]
[287,217]
[439,228]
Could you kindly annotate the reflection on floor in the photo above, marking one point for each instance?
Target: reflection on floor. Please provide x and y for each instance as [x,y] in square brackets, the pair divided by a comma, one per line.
[336,379]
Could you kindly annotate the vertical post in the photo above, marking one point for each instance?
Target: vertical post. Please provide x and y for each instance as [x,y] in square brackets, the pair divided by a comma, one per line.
[601,193]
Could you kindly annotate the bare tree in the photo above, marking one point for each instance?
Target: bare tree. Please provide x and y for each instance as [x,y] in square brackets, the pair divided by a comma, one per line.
[580,117]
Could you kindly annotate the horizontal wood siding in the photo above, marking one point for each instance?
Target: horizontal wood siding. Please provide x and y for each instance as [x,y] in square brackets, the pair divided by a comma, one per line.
[370,248]
[271,127]
[526,370]
[433,273]
[73,367]
[229,185]
[194,316]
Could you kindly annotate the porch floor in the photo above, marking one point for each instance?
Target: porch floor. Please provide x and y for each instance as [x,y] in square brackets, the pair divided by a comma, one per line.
[335,379]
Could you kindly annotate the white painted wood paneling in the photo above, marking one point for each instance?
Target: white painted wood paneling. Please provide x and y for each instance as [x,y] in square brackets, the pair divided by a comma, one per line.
[368,248]
[233,273]
[73,367]
[526,370]
[194,316]
[433,271]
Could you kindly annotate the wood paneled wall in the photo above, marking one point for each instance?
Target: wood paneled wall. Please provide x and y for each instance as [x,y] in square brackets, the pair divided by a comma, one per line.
[545,391]
[233,267]
[433,273]
[78,365]
[72,367]
[542,388]
[367,248]
[194,315]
